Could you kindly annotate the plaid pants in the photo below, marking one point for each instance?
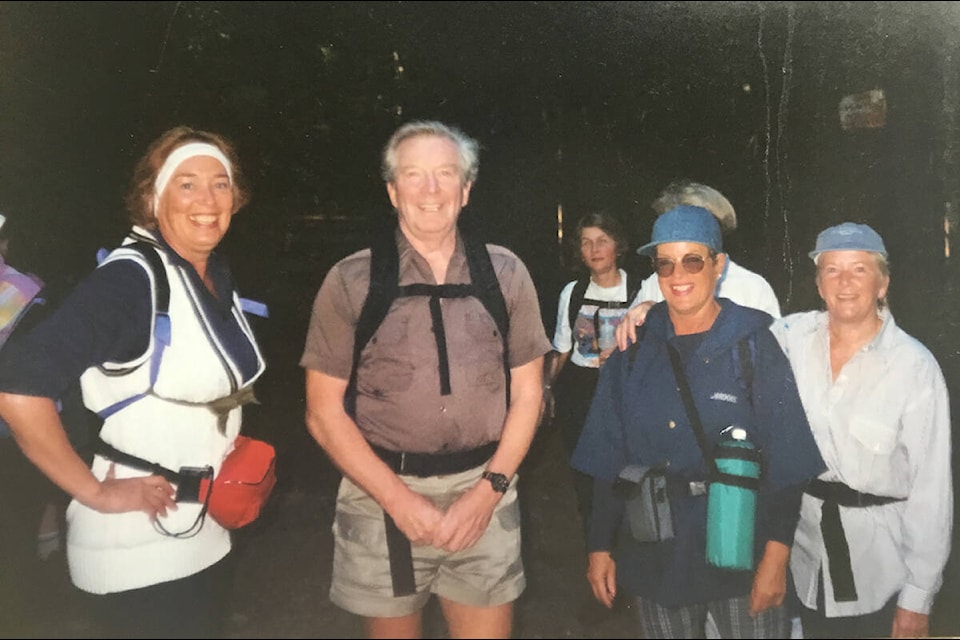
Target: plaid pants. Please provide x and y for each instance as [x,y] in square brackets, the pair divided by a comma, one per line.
[732,618]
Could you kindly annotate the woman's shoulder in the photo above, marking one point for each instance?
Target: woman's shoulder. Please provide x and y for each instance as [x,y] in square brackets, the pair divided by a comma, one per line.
[798,322]
[906,348]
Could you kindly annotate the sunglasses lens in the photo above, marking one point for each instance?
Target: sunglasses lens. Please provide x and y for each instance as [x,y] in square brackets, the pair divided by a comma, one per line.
[692,263]
[664,268]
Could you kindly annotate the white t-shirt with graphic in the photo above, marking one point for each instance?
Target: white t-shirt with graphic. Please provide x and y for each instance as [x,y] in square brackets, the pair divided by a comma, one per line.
[582,340]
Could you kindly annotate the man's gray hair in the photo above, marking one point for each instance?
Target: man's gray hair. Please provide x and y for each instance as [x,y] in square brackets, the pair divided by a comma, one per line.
[468,147]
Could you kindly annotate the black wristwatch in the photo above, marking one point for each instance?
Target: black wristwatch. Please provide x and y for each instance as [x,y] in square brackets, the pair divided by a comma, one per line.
[498,481]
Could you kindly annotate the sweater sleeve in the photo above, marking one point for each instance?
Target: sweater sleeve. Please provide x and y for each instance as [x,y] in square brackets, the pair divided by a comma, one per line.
[106,318]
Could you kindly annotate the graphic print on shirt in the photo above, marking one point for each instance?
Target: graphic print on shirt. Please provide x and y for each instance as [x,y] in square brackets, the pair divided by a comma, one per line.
[588,344]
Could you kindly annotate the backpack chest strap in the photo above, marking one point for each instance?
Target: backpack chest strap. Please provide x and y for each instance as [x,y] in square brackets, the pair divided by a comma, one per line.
[435,293]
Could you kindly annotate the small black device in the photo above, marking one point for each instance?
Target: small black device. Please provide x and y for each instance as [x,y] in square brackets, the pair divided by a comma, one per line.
[188,485]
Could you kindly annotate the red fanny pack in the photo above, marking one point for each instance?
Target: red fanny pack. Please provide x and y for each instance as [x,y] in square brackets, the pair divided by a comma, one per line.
[243,485]
[234,497]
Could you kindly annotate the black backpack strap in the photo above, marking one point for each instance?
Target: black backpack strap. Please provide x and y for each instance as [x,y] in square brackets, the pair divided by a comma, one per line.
[162,285]
[576,300]
[384,288]
[435,292]
[487,289]
[633,286]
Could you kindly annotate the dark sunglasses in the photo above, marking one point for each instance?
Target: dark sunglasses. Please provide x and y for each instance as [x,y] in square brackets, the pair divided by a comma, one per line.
[692,263]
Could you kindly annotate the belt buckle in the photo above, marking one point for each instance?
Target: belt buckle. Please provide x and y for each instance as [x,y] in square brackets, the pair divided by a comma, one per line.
[698,488]
[403,461]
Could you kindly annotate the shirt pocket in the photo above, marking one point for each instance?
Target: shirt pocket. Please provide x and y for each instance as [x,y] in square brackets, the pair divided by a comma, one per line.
[386,365]
[480,347]
[874,436]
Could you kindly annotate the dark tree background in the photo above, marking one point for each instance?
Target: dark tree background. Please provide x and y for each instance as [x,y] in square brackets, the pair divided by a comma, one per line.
[578,105]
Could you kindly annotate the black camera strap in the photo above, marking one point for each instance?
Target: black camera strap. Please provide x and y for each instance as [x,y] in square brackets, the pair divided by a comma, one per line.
[684,388]
[112,453]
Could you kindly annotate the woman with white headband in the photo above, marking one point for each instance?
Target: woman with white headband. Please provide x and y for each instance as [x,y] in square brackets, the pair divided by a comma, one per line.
[156,564]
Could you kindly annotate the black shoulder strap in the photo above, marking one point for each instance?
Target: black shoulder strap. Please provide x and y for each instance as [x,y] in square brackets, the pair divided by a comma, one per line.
[487,289]
[161,283]
[745,355]
[576,300]
[383,290]
[487,285]
[684,387]
[633,286]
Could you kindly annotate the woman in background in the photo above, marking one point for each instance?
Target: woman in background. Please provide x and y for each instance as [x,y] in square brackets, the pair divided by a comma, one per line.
[588,312]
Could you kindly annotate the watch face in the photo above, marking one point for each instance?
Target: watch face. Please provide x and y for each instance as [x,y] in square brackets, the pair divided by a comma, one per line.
[498,481]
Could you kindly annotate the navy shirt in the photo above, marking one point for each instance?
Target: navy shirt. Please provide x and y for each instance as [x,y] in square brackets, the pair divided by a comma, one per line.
[638,417]
[106,318]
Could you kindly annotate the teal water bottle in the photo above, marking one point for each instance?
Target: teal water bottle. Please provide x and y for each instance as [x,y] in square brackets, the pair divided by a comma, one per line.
[732,502]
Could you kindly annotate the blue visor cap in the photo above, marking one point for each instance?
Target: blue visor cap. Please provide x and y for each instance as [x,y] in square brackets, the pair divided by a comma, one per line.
[685,223]
[848,236]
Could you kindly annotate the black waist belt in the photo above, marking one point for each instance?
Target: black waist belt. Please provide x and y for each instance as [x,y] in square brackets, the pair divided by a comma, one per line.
[126,459]
[835,495]
[424,465]
[845,496]
[421,465]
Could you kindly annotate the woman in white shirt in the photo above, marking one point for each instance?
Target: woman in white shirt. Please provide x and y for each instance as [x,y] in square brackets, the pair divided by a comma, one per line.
[588,312]
[875,528]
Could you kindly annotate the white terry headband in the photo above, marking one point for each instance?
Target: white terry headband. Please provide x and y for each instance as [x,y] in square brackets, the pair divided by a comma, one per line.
[179,155]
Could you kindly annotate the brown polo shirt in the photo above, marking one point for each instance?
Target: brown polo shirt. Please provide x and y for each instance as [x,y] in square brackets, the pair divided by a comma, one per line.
[399,405]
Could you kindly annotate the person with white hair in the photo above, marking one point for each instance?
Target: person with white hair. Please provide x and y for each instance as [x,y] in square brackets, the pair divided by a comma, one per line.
[875,528]
[737,283]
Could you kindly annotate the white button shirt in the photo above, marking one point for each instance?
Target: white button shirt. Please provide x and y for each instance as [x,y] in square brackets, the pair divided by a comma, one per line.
[883,427]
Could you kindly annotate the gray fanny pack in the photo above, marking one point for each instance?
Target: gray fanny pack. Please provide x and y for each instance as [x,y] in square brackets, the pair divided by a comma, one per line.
[647,505]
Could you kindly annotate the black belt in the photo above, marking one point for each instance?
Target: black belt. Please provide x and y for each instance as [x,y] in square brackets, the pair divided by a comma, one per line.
[845,496]
[421,465]
[424,465]
[835,495]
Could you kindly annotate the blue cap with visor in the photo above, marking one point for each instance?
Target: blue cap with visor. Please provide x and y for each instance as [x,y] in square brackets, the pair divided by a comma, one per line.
[685,223]
[848,236]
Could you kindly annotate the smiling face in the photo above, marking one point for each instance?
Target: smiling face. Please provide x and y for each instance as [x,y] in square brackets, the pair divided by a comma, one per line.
[851,283]
[688,294]
[428,190]
[194,210]
[598,251]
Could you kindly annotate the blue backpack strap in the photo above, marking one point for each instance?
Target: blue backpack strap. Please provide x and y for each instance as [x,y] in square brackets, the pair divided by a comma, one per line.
[254,307]
[161,329]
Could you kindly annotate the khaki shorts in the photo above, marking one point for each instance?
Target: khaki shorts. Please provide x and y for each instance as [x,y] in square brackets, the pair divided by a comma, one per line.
[488,574]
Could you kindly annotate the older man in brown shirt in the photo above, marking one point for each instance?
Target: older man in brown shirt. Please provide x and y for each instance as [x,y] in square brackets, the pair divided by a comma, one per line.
[443,412]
